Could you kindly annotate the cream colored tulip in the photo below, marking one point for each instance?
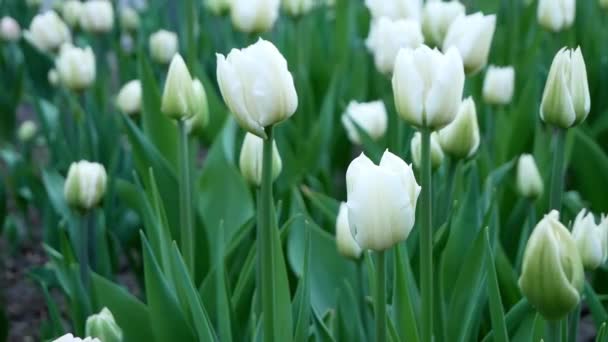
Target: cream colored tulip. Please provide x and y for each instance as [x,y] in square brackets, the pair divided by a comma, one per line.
[436,151]
[254,15]
[71,11]
[129,97]
[85,184]
[97,16]
[529,181]
[47,32]
[556,15]
[177,95]
[591,239]
[10,31]
[394,9]
[163,46]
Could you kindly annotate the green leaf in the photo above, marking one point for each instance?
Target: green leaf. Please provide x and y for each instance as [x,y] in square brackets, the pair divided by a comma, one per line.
[403,311]
[301,302]
[598,312]
[496,309]
[590,165]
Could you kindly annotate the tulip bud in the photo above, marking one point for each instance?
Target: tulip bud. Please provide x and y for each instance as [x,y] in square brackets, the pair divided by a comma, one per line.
[371,117]
[10,31]
[436,151]
[428,86]
[47,32]
[381,201]
[129,19]
[177,96]
[251,159]
[218,7]
[27,131]
[85,184]
[552,273]
[437,18]
[498,85]
[71,338]
[71,12]
[529,182]
[591,240]
[472,36]
[97,16]
[297,8]
[460,139]
[103,326]
[566,100]
[556,15]
[129,98]
[394,9]
[200,109]
[257,86]
[347,246]
[75,67]
[251,16]
[386,37]
[53,77]
[163,46]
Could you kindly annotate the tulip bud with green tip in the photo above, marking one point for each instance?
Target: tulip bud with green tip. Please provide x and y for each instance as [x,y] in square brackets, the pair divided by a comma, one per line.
[347,246]
[163,46]
[460,139]
[71,12]
[177,95]
[129,97]
[566,101]
[200,108]
[27,131]
[591,239]
[436,151]
[498,85]
[529,181]
[250,160]
[85,184]
[76,67]
[552,274]
[97,16]
[556,15]
[104,327]
[371,117]
[472,35]
[129,19]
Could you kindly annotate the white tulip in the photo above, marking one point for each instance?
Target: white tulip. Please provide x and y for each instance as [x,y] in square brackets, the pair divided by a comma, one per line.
[254,15]
[436,151]
[472,36]
[97,16]
[10,30]
[129,97]
[71,338]
[566,101]
[163,46]
[103,326]
[27,130]
[347,246]
[75,67]
[428,86]
[529,181]
[47,32]
[387,36]
[371,117]
[437,17]
[499,85]
[590,239]
[298,7]
[257,86]
[460,139]
[85,184]
[177,101]
[252,156]
[129,19]
[381,201]
[394,9]
[71,12]
[200,108]
[218,7]
[556,15]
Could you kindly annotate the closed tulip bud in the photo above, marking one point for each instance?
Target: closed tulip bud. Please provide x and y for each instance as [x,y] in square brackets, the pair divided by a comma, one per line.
[437,18]
[251,16]
[347,246]
[27,131]
[394,9]
[200,108]
[71,11]
[499,84]
[97,16]
[556,15]
[177,96]
[428,86]
[252,155]
[10,31]
[129,19]
[591,240]
[371,117]
[218,7]
[552,273]
[387,37]
[163,46]
[129,98]
[257,86]
[47,32]
[436,151]
[76,67]
[460,139]
[104,327]
[297,7]
[381,201]
[85,184]
[566,101]
[472,36]
[53,77]
[529,181]
[71,338]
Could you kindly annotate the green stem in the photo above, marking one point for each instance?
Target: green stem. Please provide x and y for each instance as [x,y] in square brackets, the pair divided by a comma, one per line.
[380,300]
[191,12]
[84,251]
[426,240]
[523,239]
[554,331]
[187,233]
[263,239]
[557,173]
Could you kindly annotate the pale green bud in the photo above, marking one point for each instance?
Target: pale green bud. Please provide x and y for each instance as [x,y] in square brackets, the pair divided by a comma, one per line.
[104,327]
[460,139]
[552,273]
[177,96]
[251,159]
[200,108]
[97,16]
[529,181]
[436,151]
[591,239]
[27,131]
[163,46]
[347,246]
[85,184]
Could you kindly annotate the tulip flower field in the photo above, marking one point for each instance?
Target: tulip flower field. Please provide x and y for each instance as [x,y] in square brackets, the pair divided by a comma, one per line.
[304,170]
